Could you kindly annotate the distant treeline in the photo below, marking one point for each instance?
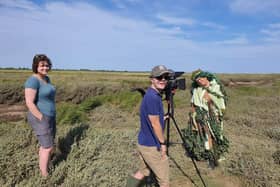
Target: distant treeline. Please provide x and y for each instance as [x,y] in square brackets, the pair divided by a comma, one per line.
[10,68]
[24,68]
[57,69]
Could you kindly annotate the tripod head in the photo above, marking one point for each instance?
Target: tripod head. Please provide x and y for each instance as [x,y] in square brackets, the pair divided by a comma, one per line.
[174,83]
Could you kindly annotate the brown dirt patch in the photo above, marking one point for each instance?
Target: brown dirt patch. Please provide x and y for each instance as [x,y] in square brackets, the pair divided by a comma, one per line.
[233,83]
[213,178]
[12,112]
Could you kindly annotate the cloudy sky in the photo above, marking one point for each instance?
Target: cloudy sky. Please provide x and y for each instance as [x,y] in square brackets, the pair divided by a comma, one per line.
[225,36]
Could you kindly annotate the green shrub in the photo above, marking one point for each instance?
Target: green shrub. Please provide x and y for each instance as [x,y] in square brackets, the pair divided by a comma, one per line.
[11,93]
[70,114]
[273,133]
[126,100]
[91,103]
[276,157]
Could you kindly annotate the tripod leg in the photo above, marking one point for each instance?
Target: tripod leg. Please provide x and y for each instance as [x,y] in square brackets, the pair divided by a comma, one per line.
[186,148]
[167,134]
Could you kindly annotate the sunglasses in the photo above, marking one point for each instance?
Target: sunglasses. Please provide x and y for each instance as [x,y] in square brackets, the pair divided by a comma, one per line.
[162,77]
[40,56]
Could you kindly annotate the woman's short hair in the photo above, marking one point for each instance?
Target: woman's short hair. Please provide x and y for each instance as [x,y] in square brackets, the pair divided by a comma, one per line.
[38,58]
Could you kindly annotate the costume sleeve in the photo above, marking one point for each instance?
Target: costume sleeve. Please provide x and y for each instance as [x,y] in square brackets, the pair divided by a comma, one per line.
[197,98]
[218,99]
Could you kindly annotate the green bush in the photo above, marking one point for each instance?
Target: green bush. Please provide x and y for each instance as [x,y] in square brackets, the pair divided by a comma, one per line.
[70,114]
[126,100]
[273,133]
[276,157]
[91,103]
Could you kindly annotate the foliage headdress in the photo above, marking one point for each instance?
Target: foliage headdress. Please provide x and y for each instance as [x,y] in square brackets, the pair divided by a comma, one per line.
[210,77]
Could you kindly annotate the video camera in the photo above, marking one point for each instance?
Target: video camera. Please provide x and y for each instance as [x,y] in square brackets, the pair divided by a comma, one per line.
[174,83]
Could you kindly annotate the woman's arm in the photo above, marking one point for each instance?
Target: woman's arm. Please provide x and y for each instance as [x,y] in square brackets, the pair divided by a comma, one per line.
[30,95]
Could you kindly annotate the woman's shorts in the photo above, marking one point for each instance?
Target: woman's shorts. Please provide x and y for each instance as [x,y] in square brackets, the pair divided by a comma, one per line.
[45,129]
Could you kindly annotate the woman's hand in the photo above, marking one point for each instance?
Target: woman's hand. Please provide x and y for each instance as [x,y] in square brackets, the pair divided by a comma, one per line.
[40,117]
[207,97]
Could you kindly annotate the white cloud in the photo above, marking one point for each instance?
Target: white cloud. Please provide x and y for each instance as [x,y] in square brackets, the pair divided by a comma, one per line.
[271,33]
[175,20]
[235,41]
[119,4]
[122,4]
[213,25]
[274,26]
[170,31]
[133,1]
[23,4]
[256,6]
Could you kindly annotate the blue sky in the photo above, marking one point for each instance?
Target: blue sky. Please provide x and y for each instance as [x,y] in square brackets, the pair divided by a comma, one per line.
[223,36]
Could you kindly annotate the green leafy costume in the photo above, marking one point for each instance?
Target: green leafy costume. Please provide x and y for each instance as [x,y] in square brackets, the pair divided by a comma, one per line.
[206,120]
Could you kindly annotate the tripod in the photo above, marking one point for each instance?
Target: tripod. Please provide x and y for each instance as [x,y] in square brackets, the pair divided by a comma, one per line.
[170,114]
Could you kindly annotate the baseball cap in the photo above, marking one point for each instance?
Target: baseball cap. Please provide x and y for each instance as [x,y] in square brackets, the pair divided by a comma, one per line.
[159,70]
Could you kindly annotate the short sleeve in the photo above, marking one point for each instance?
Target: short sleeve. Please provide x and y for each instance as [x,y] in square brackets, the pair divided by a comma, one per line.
[153,104]
[32,82]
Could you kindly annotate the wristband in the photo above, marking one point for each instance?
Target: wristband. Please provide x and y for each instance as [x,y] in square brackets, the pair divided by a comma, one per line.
[162,143]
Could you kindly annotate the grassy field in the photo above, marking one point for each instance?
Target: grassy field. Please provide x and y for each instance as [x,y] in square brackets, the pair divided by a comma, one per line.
[97,116]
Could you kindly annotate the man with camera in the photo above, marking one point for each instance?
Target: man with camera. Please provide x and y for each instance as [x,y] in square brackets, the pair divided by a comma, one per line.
[151,142]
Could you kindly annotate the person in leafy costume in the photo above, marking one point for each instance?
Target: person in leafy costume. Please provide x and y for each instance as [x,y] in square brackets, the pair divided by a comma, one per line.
[204,133]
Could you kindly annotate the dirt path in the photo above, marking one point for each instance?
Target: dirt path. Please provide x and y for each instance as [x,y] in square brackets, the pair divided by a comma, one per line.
[183,173]
[214,178]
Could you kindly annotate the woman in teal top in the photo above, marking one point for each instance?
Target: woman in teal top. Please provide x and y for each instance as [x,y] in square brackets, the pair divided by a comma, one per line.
[40,101]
